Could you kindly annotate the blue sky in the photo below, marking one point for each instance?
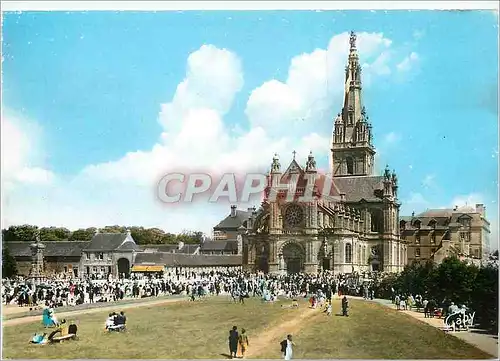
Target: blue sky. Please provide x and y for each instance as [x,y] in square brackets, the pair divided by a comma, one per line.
[83,91]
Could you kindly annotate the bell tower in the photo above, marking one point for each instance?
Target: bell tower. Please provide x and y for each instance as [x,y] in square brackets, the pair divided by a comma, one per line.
[352,149]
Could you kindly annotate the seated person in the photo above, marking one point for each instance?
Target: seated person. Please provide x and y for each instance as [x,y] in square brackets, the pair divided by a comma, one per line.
[120,319]
[110,320]
[124,318]
[39,339]
[64,328]
[72,329]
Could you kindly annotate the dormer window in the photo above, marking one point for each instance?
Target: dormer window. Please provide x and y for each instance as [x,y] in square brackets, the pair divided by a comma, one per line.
[465,222]
[417,224]
[432,223]
[402,225]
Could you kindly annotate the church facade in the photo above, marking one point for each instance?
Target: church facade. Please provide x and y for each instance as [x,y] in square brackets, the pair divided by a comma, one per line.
[352,227]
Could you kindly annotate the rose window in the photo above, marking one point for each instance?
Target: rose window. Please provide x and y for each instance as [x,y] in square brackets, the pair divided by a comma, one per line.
[294,216]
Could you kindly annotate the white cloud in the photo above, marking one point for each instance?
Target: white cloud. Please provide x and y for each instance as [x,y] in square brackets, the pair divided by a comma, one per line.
[408,63]
[195,138]
[428,180]
[21,155]
[392,138]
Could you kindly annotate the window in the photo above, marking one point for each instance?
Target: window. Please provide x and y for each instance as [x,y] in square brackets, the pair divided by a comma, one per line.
[476,253]
[348,253]
[464,236]
[88,269]
[350,165]
[465,222]
[433,238]
[87,256]
[94,269]
[417,252]
[99,256]
[417,238]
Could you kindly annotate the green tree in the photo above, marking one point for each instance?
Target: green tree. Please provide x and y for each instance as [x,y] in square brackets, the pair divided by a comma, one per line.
[484,297]
[23,233]
[48,234]
[82,235]
[9,264]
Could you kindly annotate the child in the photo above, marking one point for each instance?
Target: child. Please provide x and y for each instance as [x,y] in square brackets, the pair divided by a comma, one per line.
[328,309]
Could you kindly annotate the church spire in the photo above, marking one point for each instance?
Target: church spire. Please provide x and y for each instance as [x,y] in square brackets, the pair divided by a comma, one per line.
[352,149]
[351,111]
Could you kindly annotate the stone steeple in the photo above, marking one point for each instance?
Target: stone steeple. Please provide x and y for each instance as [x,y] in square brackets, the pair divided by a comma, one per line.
[352,148]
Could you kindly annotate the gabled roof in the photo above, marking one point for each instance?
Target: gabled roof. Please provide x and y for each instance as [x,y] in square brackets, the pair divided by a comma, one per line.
[52,249]
[356,188]
[233,223]
[293,168]
[111,242]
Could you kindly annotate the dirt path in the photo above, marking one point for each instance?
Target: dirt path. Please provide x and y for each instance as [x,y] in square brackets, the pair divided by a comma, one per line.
[270,338]
[28,319]
[484,342]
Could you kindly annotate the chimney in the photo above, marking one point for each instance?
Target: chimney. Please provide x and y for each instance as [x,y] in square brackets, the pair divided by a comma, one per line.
[233,211]
[480,209]
[455,208]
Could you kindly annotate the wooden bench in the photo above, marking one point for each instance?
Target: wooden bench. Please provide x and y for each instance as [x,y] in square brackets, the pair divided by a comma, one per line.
[69,336]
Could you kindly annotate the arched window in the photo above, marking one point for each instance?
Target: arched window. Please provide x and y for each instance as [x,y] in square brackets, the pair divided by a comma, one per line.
[350,165]
[348,253]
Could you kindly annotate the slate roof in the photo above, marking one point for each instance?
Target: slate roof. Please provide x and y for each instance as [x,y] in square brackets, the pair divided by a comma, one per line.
[444,217]
[226,246]
[170,248]
[52,249]
[357,188]
[110,242]
[233,223]
[177,259]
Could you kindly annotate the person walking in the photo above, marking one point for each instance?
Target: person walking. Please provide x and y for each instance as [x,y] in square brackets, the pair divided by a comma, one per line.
[287,347]
[243,341]
[233,342]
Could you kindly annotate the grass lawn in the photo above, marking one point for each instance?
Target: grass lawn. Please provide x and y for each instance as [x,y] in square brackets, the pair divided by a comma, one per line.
[200,330]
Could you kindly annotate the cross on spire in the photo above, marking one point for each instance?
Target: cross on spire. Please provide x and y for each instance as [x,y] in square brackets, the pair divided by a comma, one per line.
[294,152]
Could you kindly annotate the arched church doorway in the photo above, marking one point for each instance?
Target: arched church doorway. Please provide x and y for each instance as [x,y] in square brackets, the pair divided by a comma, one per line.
[263,264]
[123,267]
[293,257]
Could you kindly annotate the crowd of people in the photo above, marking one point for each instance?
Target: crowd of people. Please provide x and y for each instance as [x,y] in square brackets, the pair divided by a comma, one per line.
[58,293]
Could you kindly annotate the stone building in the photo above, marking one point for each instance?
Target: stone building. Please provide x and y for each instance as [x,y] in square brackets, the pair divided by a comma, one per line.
[118,255]
[438,233]
[59,258]
[352,228]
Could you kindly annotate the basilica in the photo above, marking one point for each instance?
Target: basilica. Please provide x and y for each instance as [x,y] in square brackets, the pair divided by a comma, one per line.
[352,228]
